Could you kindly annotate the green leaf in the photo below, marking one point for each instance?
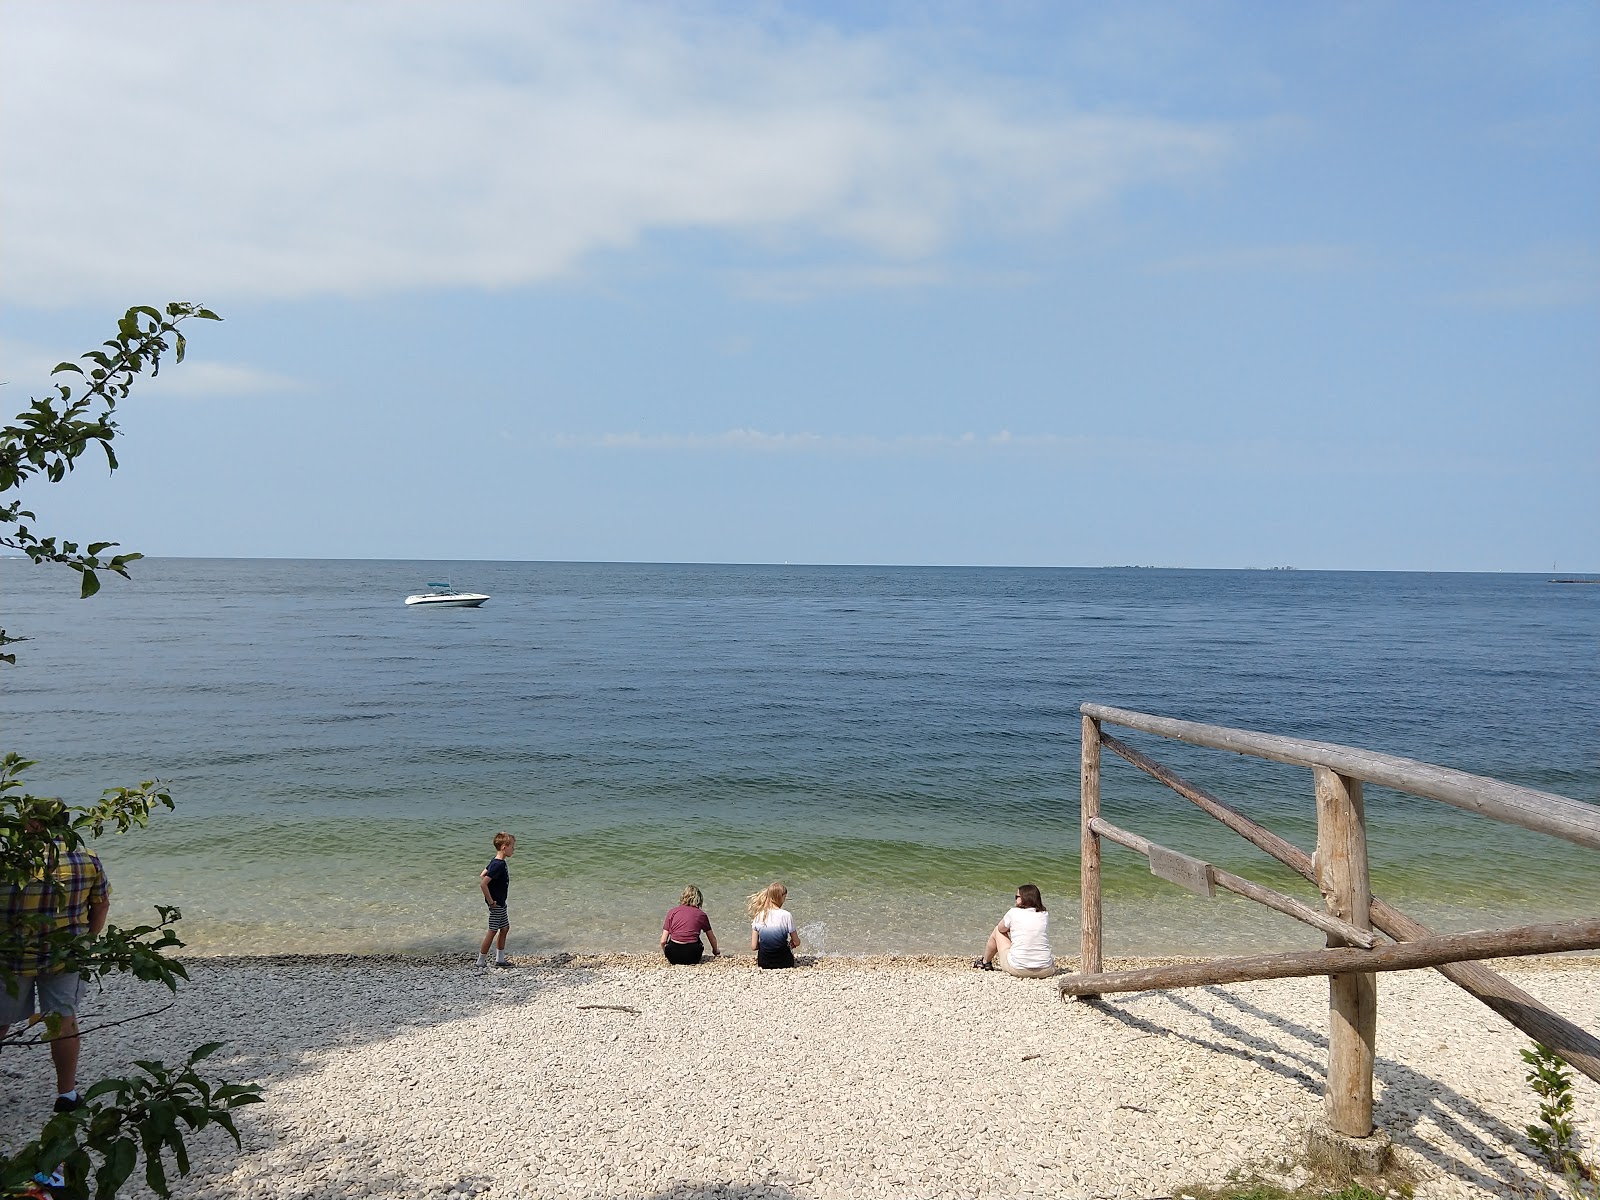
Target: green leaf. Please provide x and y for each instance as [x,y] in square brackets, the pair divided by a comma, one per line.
[205,1051]
[226,1122]
[121,1158]
[101,1088]
[180,1152]
[155,1174]
[91,584]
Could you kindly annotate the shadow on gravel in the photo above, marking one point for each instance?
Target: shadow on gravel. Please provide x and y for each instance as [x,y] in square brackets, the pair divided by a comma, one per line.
[325,1002]
[277,1017]
[1475,1131]
[715,1191]
[1409,1096]
[1251,1049]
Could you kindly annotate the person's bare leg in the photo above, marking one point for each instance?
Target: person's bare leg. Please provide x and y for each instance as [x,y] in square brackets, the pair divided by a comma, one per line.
[488,940]
[998,941]
[500,942]
[998,944]
[64,1054]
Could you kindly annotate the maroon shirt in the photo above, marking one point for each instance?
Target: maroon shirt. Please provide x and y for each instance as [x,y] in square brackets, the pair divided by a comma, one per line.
[684,923]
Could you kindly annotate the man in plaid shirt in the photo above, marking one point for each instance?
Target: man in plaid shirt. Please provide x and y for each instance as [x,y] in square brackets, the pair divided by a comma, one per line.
[71,894]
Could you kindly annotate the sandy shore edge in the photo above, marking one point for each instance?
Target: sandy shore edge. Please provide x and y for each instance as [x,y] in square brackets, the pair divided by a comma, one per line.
[829,962]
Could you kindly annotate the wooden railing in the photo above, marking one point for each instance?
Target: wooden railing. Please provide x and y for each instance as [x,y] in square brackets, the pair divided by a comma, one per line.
[1349,911]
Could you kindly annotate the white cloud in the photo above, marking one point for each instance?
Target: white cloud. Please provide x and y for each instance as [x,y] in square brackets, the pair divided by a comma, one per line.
[227,150]
[1553,275]
[801,283]
[26,373]
[1294,258]
[1261,455]
[207,379]
[755,441]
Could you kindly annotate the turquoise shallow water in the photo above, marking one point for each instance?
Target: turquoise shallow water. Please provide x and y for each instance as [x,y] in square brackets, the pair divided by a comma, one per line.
[899,744]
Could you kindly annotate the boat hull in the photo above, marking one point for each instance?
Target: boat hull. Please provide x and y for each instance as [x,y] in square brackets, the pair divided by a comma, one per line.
[449,600]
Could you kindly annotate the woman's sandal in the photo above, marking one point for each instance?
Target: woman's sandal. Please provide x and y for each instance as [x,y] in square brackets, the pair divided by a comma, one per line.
[980,965]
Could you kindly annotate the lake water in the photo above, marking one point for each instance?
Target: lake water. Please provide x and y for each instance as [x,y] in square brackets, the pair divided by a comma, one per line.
[900,745]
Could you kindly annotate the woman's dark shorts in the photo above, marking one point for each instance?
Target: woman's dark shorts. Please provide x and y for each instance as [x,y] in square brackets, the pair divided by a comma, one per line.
[684,954]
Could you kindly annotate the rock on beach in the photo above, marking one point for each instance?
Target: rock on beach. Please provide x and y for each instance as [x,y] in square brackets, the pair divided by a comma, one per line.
[616,1077]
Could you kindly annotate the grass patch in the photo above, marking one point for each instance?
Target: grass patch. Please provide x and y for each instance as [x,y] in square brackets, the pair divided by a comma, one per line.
[1259,1189]
[1271,1191]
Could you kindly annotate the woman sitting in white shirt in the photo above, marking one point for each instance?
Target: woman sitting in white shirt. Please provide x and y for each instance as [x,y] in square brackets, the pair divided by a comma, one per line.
[1020,944]
[772,932]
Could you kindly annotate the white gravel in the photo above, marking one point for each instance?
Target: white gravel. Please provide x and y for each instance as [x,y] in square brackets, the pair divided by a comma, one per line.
[396,1077]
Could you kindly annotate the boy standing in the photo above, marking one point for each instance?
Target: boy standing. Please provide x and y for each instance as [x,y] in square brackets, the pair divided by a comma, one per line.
[494,881]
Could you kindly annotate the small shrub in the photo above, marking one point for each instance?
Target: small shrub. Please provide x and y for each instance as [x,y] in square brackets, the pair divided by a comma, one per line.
[1554,1137]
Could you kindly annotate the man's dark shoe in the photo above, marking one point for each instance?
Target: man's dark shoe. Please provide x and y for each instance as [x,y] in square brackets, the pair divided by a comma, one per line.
[68,1103]
[504,962]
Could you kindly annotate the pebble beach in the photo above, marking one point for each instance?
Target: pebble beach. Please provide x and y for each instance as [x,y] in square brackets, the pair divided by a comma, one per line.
[611,1076]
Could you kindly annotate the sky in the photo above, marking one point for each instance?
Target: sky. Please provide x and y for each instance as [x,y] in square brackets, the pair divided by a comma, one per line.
[1192,285]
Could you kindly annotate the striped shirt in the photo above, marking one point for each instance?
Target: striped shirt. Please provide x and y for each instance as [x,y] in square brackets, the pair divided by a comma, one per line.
[62,895]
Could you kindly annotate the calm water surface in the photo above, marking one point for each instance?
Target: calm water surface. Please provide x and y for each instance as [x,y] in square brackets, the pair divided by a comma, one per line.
[900,745]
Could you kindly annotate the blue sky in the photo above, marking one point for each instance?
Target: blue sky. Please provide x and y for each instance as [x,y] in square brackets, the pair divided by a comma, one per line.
[1198,284]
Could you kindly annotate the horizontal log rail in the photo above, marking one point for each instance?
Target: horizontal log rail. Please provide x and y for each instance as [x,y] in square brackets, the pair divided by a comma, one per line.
[1275,900]
[1583,934]
[1542,812]
[1576,1045]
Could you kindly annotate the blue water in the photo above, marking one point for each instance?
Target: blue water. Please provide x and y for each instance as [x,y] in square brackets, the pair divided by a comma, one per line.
[899,745]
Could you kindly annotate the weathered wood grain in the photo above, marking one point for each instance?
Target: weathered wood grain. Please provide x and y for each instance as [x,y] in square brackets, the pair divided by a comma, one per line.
[1432,951]
[1089,851]
[1352,997]
[1543,812]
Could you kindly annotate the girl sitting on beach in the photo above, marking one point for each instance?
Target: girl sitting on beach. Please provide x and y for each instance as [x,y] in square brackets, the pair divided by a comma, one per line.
[680,932]
[1021,942]
[772,934]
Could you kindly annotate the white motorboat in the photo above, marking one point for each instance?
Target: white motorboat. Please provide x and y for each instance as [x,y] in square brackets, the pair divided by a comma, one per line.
[444,596]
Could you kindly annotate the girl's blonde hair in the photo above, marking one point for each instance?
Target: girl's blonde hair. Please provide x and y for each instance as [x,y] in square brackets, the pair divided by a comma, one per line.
[770,897]
[692,897]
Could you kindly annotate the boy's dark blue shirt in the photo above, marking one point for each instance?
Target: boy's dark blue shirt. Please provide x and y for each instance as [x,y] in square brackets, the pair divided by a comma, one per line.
[499,879]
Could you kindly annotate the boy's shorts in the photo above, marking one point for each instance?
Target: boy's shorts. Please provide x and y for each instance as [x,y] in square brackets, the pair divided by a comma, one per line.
[499,918]
[56,994]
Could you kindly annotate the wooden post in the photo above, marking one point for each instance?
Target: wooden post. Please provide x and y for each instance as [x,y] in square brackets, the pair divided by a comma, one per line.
[1089,960]
[1341,865]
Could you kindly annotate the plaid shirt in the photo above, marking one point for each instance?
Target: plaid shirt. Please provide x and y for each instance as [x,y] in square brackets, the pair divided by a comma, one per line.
[64,894]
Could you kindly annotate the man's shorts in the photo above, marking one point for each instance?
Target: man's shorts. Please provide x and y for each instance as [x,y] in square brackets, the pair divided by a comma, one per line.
[55,994]
[499,918]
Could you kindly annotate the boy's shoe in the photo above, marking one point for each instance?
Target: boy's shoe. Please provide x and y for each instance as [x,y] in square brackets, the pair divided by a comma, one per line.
[68,1103]
[503,962]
